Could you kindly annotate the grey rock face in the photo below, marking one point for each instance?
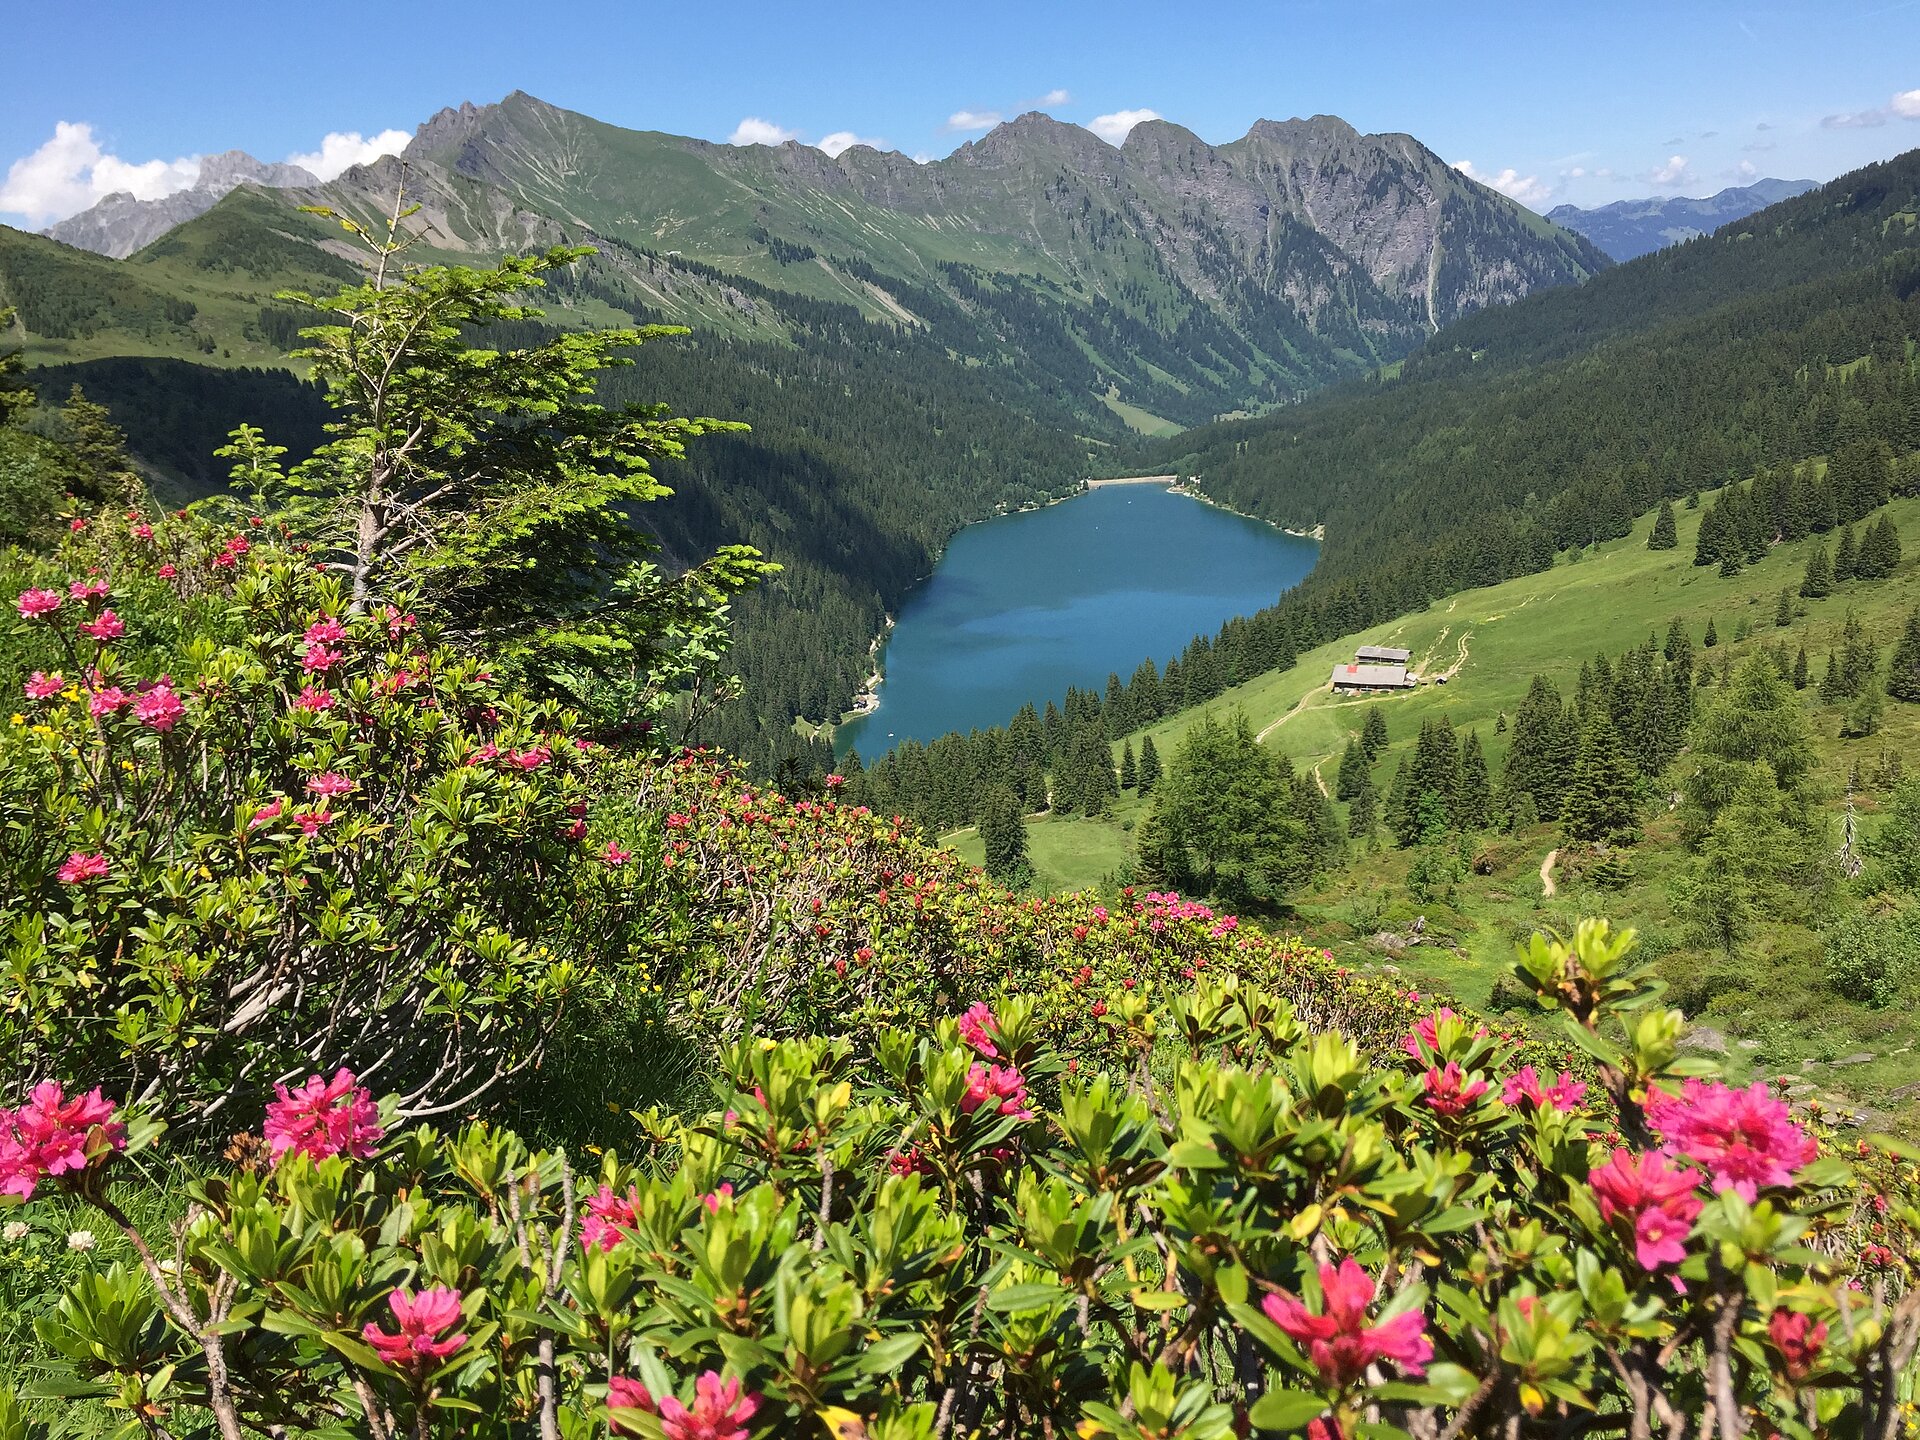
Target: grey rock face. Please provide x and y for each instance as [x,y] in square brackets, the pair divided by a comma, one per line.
[120,224]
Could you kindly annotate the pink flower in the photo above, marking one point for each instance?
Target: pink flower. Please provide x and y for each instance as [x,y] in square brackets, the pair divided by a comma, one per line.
[834,782]
[424,1319]
[977,1028]
[397,623]
[54,1135]
[1656,1199]
[1562,1093]
[105,702]
[530,759]
[330,784]
[1449,1092]
[108,627]
[311,821]
[614,855]
[76,525]
[44,687]
[610,1218]
[312,697]
[1745,1139]
[714,1198]
[159,709]
[625,1394]
[1426,1033]
[82,868]
[143,531]
[720,1411]
[324,1118]
[166,572]
[1798,1338]
[264,814]
[1001,1087]
[32,604]
[319,657]
[325,631]
[1338,1340]
[576,831]
[87,589]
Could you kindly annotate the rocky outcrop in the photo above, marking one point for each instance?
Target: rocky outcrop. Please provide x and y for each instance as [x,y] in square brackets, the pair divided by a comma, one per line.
[120,224]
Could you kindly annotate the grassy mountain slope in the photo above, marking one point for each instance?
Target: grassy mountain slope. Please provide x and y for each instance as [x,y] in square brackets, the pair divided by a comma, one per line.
[1770,1003]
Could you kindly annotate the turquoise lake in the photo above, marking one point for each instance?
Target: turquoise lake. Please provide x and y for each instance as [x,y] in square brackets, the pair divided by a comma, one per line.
[1024,606]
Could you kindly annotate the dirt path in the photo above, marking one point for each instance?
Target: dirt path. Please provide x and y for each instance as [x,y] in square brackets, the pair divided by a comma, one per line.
[1546,874]
[1318,781]
[1459,659]
[1298,706]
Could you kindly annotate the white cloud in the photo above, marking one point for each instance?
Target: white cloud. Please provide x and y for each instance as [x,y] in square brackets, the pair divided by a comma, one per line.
[755,131]
[1674,172]
[1054,97]
[340,150]
[1527,189]
[1745,170]
[71,171]
[1904,106]
[973,119]
[841,140]
[1113,128]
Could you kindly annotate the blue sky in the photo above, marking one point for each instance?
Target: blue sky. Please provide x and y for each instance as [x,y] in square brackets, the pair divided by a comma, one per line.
[1580,102]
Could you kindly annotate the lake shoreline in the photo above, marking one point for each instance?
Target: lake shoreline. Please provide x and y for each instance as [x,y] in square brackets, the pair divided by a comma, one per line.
[1194,586]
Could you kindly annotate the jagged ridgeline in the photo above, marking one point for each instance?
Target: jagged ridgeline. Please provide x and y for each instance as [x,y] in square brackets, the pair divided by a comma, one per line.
[916,346]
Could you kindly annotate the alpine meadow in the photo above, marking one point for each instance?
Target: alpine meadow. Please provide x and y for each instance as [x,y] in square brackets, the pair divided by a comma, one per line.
[1411,929]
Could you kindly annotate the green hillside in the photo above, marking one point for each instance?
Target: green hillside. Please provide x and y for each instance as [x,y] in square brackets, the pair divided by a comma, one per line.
[1770,1004]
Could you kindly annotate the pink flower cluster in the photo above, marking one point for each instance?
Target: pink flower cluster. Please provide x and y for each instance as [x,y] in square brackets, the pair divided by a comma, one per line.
[44,687]
[977,1029]
[1425,1039]
[1655,1200]
[36,604]
[1000,1087]
[424,1320]
[1744,1139]
[1450,1091]
[1560,1092]
[53,1134]
[610,1218]
[83,868]
[1338,1340]
[324,1118]
[104,627]
[721,1409]
[1799,1339]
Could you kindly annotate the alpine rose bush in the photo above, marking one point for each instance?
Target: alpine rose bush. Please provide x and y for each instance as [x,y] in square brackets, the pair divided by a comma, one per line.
[1250,1228]
[242,824]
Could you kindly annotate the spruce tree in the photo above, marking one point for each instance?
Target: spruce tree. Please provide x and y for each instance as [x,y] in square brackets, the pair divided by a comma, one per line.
[1436,769]
[1364,813]
[1353,768]
[1129,776]
[1400,816]
[1846,556]
[1500,724]
[1859,657]
[1712,637]
[1817,582]
[1833,684]
[1903,680]
[1664,536]
[1473,803]
[1541,752]
[1732,563]
[1316,818]
[1783,611]
[1602,791]
[1149,765]
[1679,647]
[1800,669]
[1224,816]
[1003,832]
[1373,734]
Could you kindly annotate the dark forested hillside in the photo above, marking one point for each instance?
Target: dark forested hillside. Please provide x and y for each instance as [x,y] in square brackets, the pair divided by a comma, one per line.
[1551,423]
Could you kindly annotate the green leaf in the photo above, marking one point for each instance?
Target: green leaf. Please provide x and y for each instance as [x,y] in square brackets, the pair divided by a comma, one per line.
[1286,1410]
[1027,1297]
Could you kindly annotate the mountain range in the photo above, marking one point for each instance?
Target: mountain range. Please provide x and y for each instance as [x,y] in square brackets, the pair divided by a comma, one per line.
[120,223]
[1163,277]
[1628,229]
